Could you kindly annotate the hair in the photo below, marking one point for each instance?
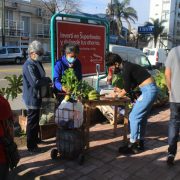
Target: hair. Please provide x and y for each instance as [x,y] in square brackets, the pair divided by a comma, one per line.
[112,58]
[35,46]
[71,48]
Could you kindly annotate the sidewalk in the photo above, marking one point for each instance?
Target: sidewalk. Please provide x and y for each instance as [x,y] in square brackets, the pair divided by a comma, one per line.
[103,160]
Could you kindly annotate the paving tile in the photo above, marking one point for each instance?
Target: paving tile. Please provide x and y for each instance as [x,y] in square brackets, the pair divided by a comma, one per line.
[102,160]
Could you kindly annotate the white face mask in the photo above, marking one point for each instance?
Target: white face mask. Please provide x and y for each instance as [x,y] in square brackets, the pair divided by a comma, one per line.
[38,58]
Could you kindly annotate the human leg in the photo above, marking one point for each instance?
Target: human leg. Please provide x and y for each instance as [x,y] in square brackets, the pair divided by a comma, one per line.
[173,131]
[32,128]
[141,110]
[4,171]
[138,116]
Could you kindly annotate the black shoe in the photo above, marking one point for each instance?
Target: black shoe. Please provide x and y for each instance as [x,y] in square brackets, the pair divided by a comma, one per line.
[131,148]
[170,159]
[141,145]
[34,150]
[39,141]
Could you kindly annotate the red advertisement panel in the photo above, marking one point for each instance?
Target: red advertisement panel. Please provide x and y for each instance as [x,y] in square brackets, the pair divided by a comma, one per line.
[91,40]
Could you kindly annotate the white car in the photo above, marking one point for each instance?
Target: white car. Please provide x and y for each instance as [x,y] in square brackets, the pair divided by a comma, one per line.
[157,56]
[11,54]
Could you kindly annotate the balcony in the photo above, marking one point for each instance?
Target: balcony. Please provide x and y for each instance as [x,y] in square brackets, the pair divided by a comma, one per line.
[13,28]
[43,30]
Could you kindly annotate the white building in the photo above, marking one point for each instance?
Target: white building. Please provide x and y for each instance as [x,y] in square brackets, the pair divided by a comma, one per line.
[25,21]
[168,10]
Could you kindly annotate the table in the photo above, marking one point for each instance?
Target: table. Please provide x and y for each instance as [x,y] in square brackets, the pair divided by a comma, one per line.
[88,104]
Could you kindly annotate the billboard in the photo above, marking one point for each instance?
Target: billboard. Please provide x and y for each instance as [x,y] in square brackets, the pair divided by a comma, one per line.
[91,40]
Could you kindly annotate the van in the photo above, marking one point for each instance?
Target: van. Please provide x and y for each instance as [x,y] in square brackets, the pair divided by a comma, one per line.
[131,54]
[157,56]
[11,54]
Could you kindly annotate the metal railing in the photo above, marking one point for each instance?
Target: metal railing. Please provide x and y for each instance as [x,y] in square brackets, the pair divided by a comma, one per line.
[43,30]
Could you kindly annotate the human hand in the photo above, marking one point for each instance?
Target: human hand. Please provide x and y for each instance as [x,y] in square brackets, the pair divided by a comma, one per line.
[66,90]
[118,90]
[112,94]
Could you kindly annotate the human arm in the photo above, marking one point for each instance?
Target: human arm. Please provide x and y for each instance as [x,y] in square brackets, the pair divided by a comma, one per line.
[169,64]
[58,71]
[168,78]
[33,76]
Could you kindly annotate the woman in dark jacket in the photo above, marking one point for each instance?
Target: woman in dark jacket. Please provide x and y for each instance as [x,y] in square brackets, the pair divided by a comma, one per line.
[33,81]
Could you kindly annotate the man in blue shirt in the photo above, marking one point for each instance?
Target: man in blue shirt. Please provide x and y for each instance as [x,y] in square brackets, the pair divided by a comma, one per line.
[68,60]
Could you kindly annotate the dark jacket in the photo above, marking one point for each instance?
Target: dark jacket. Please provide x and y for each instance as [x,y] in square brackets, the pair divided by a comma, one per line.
[32,84]
[60,66]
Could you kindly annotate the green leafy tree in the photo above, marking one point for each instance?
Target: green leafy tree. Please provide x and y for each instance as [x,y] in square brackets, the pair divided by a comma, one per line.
[158,29]
[119,11]
[14,87]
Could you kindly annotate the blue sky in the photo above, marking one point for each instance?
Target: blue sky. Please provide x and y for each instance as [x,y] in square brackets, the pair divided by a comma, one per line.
[99,6]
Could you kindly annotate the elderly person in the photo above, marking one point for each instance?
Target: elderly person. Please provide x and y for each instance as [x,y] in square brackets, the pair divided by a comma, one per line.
[68,60]
[33,80]
[135,76]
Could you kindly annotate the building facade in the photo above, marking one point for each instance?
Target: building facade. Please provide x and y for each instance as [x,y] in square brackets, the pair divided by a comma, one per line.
[168,10]
[25,21]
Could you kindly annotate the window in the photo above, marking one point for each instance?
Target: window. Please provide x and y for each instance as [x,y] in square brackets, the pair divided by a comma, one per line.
[26,21]
[144,61]
[166,2]
[13,50]
[151,53]
[3,51]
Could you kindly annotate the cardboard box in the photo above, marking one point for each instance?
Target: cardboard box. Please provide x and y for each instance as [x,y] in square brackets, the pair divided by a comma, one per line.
[46,131]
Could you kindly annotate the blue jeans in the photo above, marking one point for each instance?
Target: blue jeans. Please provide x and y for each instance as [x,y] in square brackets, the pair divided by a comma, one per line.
[139,113]
[174,126]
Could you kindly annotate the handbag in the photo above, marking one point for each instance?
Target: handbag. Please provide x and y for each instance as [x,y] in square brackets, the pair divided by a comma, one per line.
[11,149]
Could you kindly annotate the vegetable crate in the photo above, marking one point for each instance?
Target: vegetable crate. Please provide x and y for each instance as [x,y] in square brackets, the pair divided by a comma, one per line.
[70,134]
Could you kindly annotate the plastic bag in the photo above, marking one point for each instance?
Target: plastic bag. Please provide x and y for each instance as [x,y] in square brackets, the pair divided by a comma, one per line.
[69,114]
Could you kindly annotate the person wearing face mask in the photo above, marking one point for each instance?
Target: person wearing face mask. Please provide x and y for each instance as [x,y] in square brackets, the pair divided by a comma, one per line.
[68,60]
[134,76]
[34,78]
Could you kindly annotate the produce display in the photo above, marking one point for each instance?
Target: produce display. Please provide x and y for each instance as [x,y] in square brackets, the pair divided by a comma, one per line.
[93,95]
[161,83]
[77,88]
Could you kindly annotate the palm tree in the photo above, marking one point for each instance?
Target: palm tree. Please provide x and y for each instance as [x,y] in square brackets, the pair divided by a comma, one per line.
[158,29]
[119,11]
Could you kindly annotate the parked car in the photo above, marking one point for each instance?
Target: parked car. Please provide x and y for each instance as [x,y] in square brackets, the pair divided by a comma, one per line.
[11,54]
[156,56]
[46,57]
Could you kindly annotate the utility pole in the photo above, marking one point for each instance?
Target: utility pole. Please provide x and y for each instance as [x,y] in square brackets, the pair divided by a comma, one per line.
[3,23]
[112,16]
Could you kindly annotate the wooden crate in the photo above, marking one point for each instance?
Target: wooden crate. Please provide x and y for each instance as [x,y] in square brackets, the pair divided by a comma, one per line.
[46,131]
[23,122]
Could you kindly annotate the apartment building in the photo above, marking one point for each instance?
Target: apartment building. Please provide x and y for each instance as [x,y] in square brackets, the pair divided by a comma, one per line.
[25,21]
[168,10]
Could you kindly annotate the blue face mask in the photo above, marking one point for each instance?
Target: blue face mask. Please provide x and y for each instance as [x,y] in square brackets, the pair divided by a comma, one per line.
[70,59]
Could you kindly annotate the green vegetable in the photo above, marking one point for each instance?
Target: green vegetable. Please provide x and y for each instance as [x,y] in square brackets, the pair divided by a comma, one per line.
[76,88]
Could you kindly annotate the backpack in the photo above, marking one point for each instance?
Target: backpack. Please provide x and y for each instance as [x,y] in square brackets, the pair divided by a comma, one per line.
[11,149]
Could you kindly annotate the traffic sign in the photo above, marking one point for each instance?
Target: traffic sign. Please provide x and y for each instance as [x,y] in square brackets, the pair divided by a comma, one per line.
[145,29]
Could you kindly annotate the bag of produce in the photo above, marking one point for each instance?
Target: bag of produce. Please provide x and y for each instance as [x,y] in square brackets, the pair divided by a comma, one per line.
[69,114]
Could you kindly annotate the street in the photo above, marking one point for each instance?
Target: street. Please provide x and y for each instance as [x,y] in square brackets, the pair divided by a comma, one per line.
[10,69]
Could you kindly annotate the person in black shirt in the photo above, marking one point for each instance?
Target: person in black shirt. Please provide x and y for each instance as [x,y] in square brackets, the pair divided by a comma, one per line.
[134,76]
